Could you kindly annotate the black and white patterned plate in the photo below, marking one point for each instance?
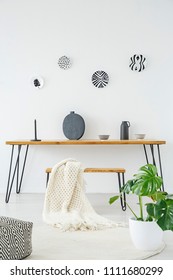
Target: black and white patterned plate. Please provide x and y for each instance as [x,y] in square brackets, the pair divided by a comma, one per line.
[100,79]
[64,62]
[137,62]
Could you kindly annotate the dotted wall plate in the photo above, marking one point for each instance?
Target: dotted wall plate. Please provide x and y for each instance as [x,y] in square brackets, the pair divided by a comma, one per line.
[100,79]
[64,62]
[137,62]
[37,82]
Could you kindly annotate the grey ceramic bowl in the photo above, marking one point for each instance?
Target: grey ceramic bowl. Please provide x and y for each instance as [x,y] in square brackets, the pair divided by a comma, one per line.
[140,136]
[104,137]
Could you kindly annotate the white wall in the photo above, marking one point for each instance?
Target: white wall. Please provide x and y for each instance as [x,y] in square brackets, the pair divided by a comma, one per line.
[96,35]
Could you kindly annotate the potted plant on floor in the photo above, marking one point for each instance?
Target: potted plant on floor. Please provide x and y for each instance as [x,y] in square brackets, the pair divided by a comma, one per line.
[146,227]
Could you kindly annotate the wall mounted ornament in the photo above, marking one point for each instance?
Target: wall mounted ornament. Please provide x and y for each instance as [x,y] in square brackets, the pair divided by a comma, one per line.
[100,79]
[137,62]
[64,62]
[37,82]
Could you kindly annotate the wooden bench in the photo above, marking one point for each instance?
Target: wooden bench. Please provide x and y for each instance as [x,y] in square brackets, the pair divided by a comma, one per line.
[120,172]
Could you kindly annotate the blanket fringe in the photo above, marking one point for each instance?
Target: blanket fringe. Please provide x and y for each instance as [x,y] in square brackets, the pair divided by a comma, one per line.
[73,221]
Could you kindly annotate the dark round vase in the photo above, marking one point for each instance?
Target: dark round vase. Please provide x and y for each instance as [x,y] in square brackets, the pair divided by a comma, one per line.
[73,126]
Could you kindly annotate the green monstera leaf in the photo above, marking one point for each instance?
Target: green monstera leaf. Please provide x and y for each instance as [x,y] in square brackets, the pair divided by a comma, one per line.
[127,188]
[162,212]
[113,199]
[159,196]
[145,183]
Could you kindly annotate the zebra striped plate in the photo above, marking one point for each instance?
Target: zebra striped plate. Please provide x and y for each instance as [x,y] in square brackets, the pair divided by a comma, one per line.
[137,62]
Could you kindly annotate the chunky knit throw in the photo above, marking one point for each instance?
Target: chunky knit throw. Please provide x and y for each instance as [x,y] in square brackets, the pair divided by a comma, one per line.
[66,205]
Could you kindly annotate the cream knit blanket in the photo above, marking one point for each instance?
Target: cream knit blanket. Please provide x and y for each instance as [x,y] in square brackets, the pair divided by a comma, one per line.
[66,205]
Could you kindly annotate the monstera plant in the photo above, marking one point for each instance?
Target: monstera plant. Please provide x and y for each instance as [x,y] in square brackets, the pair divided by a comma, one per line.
[147,183]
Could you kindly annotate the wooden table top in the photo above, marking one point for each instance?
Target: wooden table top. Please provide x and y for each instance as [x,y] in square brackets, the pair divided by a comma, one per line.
[87,142]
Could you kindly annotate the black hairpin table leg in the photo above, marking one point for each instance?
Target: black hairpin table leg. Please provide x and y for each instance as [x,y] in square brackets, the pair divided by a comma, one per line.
[11,180]
[152,153]
[15,171]
[154,159]
[160,165]
[18,185]
[145,151]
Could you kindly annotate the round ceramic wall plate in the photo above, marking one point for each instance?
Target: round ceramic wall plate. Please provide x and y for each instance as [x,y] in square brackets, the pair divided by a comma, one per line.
[37,82]
[100,79]
[64,62]
[137,62]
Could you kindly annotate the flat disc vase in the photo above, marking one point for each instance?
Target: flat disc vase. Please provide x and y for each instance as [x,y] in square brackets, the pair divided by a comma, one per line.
[73,126]
[146,236]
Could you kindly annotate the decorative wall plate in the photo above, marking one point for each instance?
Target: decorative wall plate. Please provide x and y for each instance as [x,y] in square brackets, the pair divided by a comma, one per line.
[64,62]
[137,62]
[73,126]
[100,79]
[37,82]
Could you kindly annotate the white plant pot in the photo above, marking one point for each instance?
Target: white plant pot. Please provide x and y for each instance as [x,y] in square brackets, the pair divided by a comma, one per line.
[145,235]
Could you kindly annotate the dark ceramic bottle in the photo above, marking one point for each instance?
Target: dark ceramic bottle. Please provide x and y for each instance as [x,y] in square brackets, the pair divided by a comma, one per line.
[124,130]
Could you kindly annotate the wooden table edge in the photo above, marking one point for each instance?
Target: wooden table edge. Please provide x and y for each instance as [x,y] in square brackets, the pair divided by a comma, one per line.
[87,142]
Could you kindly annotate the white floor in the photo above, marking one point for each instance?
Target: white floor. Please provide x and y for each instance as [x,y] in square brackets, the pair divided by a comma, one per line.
[29,207]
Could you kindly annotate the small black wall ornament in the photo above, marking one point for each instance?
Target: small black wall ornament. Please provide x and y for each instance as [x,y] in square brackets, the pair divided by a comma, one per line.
[37,82]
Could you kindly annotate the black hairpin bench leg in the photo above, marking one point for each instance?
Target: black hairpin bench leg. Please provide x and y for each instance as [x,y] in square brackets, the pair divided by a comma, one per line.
[47,179]
[123,195]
